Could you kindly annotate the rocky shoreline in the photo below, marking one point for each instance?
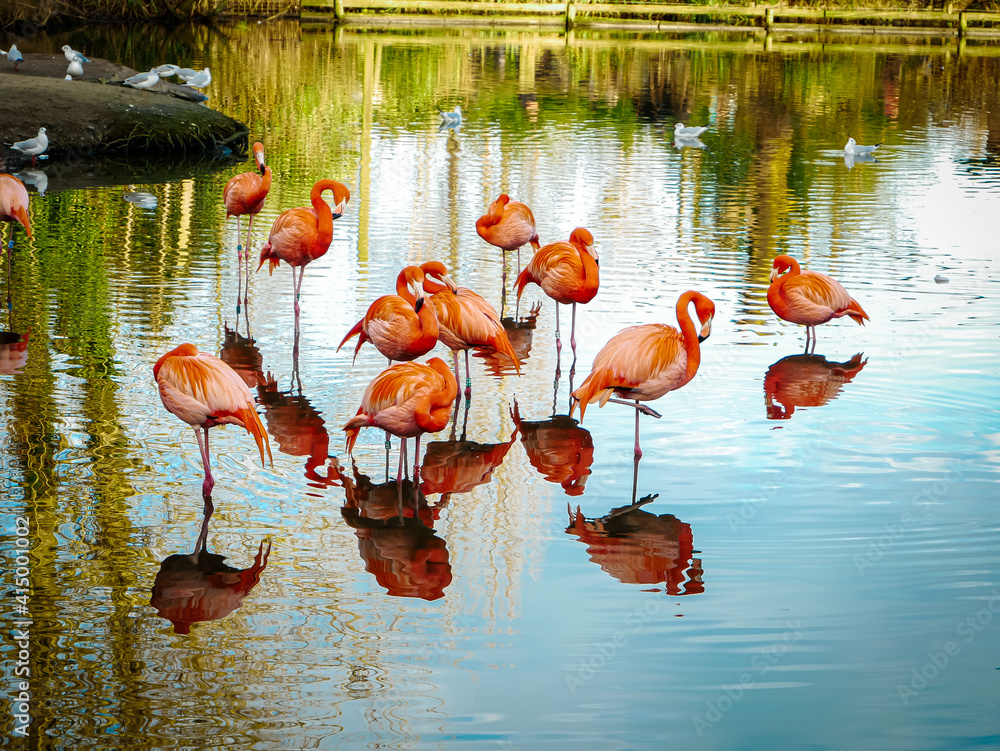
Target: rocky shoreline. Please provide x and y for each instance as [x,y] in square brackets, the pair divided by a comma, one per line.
[97,116]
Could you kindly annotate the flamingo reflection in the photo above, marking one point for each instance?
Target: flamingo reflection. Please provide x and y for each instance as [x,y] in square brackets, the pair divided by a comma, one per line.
[519,334]
[296,426]
[396,539]
[558,448]
[194,587]
[458,466]
[806,381]
[637,547]
[242,354]
[13,352]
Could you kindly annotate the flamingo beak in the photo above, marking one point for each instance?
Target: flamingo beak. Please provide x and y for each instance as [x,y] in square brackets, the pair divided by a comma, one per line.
[449,281]
[706,330]
[774,274]
[338,210]
[259,156]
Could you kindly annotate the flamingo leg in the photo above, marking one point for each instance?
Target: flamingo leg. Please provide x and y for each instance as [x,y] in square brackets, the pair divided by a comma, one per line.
[239,266]
[10,253]
[468,378]
[638,407]
[416,462]
[635,473]
[638,451]
[503,286]
[558,342]
[246,287]
[209,483]
[572,333]
[403,473]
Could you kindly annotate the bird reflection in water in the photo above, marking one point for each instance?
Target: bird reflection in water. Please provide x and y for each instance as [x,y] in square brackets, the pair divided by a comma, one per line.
[558,448]
[519,333]
[297,427]
[194,587]
[458,465]
[637,547]
[396,538]
[806,381]
[242,355]
[13,352]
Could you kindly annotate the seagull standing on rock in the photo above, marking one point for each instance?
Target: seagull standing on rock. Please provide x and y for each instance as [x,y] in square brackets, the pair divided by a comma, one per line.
[72,55]
[200,80]
[75,68]
[33,146]
[143,81]
[13,56]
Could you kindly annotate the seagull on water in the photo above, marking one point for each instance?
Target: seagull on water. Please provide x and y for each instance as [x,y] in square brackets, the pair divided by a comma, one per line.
[143,80]
[72,55]
[33,146]
[683,131]
[853,148]
[451,119]
[13,55]
[200,80]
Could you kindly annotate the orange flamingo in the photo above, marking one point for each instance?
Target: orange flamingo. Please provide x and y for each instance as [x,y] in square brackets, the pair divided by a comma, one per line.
[203,392]
[558,448]
[808,297]
[303,234]
[508,225]
[245,194]
[806,381]
[407,400]
[465,320]
[644,362]
[400,326]
[13,208]
[567,272]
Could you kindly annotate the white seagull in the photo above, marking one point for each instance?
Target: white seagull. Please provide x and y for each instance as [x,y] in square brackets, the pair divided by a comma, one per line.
[13,55]
[683,131]
[200,80]
[72,55]
[33,146]
[185,73]
[853,148]
[451,119]
[167,69]
[75,68]
[143,80]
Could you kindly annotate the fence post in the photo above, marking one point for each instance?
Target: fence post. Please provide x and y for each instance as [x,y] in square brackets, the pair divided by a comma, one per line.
[570,14]
[769,17]
[963,23]
[338,9]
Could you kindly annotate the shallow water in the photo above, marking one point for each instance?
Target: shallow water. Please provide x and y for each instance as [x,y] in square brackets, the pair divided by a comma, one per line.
[818,566]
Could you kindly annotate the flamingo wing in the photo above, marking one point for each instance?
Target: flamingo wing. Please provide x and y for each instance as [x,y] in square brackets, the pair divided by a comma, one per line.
[242,195]
[14,201]
[293,233]
[812,296]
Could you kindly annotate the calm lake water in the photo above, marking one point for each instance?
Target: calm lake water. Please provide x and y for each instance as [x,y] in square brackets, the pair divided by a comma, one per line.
[818,567]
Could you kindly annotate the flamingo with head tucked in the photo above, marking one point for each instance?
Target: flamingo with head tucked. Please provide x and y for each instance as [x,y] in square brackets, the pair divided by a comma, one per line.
[407,399]
[13,208]
[809,297]
[203,391]
[401,326]
[645,362]
[303,234]
[465,320]
[508,225]
[245,194]
[567,272]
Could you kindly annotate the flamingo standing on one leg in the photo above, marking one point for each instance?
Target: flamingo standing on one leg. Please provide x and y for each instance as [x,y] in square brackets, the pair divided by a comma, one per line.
[13,208]
[809,297]
[567,272]
[465,320]
[644,362]
[203,392]
[400,326]
[245,194]
[508,225]
[407,399]
[303,234]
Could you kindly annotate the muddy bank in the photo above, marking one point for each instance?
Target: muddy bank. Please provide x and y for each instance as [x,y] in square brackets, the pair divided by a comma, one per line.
[97,116]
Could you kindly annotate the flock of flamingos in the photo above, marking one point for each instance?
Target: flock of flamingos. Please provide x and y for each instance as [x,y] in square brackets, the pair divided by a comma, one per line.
[409,398]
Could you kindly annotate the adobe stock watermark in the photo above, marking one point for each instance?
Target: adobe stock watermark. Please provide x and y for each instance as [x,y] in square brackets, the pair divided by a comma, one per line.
[20,693]
[967,630]
[920,505]
[760,665]
[604,652]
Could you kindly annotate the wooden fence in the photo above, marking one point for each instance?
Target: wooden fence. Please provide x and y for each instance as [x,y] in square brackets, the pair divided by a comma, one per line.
[569,14]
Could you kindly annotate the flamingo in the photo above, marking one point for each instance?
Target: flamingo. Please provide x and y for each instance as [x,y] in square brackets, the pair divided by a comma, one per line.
[809,297]
[245,194]
[303,234]
[407,399]
[465,320]
[567,272]
[203,392]
[508,225]
[13,208]
[400,326]
[644,362]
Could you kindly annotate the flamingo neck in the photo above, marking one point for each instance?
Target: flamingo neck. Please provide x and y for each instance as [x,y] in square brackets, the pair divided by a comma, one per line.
[434,410]
[324,217]
[403,288]
[691,345]
[433,286]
